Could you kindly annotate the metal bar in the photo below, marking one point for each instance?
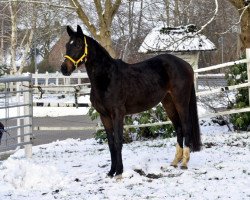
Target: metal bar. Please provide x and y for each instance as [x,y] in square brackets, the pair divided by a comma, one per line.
[15,127]
[14,92]
[28,120]
[27,116]
[18,121]
[16,145]
[16,117]
[24,143]
[17,105]
[45,128]
[15,79]
[9,151]
[19,136]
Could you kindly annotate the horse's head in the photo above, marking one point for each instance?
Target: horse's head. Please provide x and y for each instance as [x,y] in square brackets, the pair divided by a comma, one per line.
[76,51]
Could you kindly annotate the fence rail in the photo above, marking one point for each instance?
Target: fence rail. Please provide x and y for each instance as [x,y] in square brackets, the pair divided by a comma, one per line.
[58,79]
[20,125]
[16,114]
[207,92]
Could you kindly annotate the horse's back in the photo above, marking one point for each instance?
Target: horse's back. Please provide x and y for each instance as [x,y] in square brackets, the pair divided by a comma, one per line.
[147,83]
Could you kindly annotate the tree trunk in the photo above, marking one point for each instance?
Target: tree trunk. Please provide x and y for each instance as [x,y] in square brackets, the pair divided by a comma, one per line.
[245,30]
[13,39]
[105,17]
[2,43]
[244,22]
[106,42]
[26,51]
[176,13]
[167,7]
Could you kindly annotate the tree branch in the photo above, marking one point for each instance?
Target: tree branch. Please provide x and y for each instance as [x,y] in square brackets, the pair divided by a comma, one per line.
[39,2]
[115,8]
[237,3]
[82,15]
[212,19]
[238,22]
[99,11]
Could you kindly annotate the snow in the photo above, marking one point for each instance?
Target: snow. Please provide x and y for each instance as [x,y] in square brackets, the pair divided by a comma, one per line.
[57,111]
[176,40]
[75,169]
[48,111]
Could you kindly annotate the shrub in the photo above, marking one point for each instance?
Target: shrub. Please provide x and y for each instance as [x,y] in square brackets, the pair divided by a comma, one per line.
[236,75]
[3,69]
[156,114]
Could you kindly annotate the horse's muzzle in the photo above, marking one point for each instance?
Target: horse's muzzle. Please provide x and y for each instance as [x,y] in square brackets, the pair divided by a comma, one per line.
[64,70]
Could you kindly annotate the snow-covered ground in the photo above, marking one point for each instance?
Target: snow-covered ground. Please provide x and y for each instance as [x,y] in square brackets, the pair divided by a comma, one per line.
[76,170]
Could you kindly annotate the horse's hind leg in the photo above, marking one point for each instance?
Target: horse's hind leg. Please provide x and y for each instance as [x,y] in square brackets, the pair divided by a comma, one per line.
[108,125]
[173,115]
[182,107]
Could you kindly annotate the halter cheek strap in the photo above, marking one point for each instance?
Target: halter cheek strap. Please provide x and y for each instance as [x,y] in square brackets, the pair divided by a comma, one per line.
[83,57]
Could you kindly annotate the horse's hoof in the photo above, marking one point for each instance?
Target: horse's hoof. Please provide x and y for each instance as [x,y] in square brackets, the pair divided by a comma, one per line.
[174,165]
[110,174]
[118,177]
[184,167]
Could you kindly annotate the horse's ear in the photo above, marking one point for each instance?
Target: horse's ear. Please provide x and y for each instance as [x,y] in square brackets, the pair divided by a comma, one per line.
[79,30]
[70,30]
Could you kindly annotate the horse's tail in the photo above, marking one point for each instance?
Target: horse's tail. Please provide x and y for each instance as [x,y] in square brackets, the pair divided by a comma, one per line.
[195,138]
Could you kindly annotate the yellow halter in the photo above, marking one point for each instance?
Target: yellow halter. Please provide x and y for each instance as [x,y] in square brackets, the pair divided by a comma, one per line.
[84,56]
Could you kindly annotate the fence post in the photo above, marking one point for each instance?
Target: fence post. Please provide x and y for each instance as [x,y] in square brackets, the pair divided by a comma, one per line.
[18,112]
[248,70]
[57,79]
[79,79]
[46,78]
[36,79]
[28,120]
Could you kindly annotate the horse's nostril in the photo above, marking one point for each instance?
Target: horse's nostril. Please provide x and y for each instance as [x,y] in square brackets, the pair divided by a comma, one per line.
[63,68]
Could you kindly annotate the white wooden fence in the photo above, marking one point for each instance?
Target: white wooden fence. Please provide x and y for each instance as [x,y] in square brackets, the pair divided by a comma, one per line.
[207,92]
[23,90]
[58,79]
[77,84]
[16,114]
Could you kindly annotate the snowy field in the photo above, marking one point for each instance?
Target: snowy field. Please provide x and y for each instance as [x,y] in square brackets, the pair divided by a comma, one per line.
[76,170]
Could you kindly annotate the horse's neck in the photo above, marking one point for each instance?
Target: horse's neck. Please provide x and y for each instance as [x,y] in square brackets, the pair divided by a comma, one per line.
[99,62]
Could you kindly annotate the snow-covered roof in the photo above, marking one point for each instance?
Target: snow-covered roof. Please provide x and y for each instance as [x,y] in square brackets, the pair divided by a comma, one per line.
[177,39]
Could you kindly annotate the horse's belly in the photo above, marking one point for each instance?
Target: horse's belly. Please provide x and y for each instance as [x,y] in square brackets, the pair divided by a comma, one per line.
[139,103]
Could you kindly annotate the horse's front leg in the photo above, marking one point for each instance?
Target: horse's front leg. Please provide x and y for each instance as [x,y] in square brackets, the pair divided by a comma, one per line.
[118,136]
[108,125]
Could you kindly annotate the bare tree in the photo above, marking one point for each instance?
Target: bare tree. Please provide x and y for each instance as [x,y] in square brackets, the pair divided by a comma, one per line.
[105,13]
[3,29]
[13,41]
[243,7]
[28,25]
[23,48]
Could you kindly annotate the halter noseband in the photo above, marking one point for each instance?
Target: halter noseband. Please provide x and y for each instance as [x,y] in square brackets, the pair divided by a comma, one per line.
[84,56]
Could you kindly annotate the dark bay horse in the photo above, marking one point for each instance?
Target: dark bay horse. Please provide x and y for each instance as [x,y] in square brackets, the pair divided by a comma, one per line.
[119,89]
